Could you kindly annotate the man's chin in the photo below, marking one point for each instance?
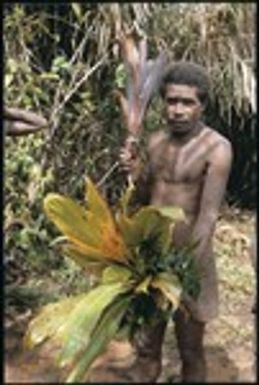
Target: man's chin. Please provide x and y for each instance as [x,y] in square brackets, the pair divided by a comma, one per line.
[180,128]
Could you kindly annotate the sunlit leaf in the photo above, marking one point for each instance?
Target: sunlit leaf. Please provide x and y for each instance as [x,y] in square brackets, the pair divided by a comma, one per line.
[94,234]
[77,10]
[173,212]
[102,335]
[143,286]
[50,318]
[90,264]
[77,330]
[71,219]
[71,321]
[111,240]
[97,205]
[116,273]
[170,286]
[146,222]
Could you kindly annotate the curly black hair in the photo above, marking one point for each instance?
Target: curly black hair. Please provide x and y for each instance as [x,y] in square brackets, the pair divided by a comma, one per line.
[190,74]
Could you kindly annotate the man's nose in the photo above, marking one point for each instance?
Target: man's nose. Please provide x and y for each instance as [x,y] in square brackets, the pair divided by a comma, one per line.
[178,108]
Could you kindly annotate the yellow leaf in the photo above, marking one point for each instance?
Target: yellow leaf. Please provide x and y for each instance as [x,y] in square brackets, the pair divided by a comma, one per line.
[93,231]
[143,286]
[71,219]
[170,286]
[112,242]
[90,264]
[97,205]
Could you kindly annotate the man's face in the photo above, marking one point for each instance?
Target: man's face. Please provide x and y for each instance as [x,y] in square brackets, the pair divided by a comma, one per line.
[182,107]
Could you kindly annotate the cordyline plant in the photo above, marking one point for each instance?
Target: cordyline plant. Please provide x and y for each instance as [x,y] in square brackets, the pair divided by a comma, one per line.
[138,273]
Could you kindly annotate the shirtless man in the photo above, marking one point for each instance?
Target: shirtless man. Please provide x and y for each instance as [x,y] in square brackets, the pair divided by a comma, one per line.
[187,165]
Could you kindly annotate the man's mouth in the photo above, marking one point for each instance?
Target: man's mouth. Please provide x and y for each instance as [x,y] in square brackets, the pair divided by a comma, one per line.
[179,123]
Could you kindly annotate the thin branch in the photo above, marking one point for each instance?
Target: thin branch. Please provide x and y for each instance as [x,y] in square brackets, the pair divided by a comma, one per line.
[78,85]
[108,173]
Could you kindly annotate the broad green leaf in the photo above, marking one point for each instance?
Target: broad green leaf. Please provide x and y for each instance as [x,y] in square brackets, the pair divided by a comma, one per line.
[146,222]
[170,286]
[88,263]
[136,228]
[50,318]
[104,332]
[173,212]
[77,330]
[165,235]
[116,273]
[71,219]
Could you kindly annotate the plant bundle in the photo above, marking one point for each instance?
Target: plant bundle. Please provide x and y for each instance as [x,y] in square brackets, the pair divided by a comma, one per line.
[138,274]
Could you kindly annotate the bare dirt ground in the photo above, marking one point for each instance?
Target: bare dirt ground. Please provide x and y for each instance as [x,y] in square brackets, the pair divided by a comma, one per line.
[230,339]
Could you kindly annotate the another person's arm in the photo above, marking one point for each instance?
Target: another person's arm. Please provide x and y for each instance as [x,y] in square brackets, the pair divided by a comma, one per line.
[218,169]
[21,122]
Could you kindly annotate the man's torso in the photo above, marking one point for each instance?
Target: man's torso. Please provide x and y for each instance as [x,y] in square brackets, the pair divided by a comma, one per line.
[178,172]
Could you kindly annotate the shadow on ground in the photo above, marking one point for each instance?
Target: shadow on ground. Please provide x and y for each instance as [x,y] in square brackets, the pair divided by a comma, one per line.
[221,368]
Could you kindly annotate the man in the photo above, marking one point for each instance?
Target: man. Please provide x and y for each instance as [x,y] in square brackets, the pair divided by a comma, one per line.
[187,165]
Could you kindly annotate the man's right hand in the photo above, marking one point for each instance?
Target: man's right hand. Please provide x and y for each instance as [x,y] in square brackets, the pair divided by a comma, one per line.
[129,156]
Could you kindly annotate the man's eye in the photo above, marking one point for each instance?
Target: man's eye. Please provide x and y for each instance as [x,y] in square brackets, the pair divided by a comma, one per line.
[185,102]
[172,101]
[188,102]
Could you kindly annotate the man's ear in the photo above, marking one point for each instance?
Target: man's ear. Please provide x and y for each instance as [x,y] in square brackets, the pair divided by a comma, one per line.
[203,107]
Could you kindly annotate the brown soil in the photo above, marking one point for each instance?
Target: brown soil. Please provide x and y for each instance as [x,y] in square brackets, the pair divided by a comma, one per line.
[230,339]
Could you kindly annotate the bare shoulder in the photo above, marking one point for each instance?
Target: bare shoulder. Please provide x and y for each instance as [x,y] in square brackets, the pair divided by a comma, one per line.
[156,139]
[221,147]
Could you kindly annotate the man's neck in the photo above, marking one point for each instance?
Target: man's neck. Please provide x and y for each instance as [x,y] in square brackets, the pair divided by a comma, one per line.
[182,138]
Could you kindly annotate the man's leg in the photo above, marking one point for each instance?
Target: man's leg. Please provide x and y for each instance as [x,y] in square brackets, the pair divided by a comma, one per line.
[148,344]
[148,364]
[189,334]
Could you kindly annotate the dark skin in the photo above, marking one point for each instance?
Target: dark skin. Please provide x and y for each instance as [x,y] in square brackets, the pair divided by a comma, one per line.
[19,122]
[188,166]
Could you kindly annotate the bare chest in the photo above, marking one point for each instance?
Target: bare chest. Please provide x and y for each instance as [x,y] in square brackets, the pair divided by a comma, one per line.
[174,164]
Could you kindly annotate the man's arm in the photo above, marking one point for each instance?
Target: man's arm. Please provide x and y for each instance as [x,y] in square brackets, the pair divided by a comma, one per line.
[219,165]
[22,122]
